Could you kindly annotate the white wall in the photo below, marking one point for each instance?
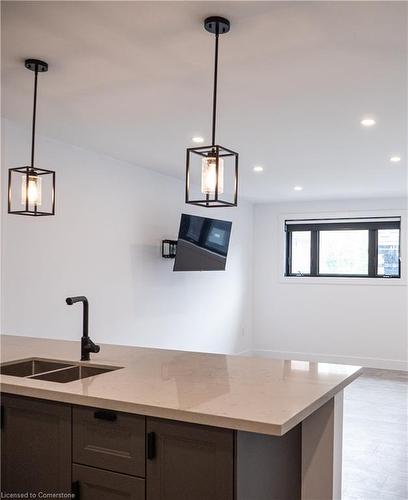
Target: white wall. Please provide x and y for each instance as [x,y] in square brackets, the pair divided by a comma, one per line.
[104,243]
[351,323]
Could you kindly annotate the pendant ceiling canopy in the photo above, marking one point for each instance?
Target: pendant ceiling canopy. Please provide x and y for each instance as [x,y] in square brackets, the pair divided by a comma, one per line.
[212,171]
[31,190]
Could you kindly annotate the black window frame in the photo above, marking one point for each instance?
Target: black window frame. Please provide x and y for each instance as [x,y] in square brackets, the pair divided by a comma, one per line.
[315,227]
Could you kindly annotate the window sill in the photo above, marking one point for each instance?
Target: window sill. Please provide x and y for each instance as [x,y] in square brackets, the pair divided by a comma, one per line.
[321,280]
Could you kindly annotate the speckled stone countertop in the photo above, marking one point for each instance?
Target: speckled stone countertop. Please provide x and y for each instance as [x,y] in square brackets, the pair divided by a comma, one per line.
[253,394]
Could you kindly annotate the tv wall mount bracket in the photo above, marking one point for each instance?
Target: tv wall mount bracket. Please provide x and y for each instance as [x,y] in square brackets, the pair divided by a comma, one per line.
[169,248]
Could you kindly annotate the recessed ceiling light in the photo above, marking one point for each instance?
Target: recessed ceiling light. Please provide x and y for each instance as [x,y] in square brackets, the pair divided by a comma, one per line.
[258,168]
[395,159]
[368,122]
[198,139]
[298,188]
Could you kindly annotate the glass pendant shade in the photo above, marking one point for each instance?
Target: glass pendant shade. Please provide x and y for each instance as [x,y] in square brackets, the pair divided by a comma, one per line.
[209,181]
[31,190]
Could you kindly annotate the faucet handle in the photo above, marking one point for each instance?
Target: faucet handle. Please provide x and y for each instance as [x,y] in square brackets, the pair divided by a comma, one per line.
[95,347]
[87,347]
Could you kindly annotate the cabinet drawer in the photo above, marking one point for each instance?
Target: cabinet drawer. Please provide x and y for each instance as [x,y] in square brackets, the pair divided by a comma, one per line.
[95,484]
[109,440]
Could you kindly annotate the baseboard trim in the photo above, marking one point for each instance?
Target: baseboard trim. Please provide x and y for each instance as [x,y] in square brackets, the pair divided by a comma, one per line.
[387,364]
[247,352]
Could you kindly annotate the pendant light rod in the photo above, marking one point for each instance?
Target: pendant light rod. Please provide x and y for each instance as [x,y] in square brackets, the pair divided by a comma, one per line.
[34,117]
[217,26]
[214,115]
[36,66]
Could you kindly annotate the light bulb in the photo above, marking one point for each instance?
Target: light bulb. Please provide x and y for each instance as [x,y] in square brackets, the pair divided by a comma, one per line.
[209,175]
[33,193]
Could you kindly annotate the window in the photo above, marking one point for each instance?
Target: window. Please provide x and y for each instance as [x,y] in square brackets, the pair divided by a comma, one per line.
[367,248]
[301,252]
[343,252]
[388,252]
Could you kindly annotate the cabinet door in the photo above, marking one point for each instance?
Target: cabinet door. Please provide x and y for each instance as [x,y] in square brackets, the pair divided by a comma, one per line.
[96,484]
[35,446]
[187,461]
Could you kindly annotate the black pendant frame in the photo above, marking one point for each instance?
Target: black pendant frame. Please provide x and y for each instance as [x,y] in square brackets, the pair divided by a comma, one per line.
[27,172]
[217,26]
[217,152]
[30,208]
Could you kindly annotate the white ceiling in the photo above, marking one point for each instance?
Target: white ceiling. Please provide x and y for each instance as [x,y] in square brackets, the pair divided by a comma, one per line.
[134,80]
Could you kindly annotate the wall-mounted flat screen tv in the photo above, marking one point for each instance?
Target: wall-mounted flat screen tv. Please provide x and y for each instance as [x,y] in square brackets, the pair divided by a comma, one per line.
[202,244]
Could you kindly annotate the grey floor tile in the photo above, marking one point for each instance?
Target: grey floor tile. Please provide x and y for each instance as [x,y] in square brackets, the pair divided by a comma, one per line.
[375,446]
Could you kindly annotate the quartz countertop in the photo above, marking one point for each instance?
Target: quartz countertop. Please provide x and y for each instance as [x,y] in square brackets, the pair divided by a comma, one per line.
[254,394]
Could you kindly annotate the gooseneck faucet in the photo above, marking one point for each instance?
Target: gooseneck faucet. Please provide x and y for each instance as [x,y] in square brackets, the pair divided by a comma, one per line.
[87,346]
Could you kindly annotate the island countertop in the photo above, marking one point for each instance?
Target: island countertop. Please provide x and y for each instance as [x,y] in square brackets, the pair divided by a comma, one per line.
[262,395]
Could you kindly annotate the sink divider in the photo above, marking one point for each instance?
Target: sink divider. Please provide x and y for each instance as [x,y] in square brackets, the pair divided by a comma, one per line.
[34,375]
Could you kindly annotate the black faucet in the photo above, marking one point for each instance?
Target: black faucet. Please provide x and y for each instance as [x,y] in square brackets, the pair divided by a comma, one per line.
[87,345]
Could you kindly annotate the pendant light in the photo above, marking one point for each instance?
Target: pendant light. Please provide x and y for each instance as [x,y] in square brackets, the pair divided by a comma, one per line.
[31,190]
[213,168]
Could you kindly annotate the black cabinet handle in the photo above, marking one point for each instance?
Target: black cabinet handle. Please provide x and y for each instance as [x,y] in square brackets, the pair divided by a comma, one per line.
[1,417]
[110,416]
[151,445]
[75,490]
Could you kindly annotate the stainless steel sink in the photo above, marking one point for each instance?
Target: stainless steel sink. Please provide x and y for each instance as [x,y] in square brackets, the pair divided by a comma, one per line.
[52,370]
[29,367]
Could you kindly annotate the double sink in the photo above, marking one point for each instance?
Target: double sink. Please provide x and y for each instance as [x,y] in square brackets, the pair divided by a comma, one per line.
[52,370]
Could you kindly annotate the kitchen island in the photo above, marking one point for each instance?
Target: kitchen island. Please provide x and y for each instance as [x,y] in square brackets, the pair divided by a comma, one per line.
[166,424]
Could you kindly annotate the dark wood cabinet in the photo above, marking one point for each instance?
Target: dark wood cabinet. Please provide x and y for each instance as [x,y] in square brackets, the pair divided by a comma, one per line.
[120,456]
[35,446]
[96,484]
[187,461]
